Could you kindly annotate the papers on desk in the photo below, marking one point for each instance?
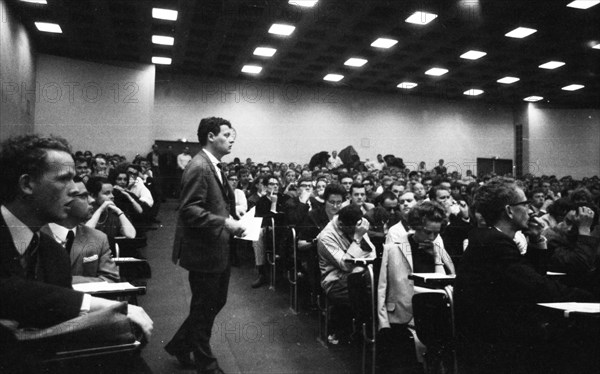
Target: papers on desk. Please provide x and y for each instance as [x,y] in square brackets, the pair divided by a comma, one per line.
[432,280]
[592,308]
[433,276]
[252,225]
[127,259]
[95,287]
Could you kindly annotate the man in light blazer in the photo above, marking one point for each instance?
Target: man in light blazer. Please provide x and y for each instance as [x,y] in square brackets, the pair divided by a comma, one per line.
[89,251]
[207,219]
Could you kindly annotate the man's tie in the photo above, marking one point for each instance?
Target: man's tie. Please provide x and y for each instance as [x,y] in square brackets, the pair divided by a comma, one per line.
[70,240]
[29,258]
[223,179]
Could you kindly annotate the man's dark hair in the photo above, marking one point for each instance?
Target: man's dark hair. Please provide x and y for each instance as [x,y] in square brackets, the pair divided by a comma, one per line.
[491,199]
[431,211]
[77,179]
[350,215]
[208,125]
[334,189]
[432,194]
[94,185]
[80,160]
[25,155]
[356,185]
[385,195]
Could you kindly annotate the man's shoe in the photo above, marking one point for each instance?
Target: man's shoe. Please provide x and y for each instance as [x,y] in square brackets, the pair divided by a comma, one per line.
[185,360]
[261,280]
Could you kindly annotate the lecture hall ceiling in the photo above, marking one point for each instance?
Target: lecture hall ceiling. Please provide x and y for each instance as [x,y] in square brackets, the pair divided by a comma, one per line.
[217,38]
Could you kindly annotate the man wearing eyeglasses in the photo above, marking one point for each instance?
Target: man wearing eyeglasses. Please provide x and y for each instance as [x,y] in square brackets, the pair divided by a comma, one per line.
[496,290]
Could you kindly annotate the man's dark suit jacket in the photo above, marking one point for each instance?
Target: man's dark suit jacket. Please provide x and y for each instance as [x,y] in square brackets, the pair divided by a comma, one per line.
[201,240]
[45,301]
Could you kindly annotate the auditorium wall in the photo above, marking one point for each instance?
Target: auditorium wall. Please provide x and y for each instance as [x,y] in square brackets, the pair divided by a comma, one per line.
[100,107]
[564,142]
[17,76]
[291,122]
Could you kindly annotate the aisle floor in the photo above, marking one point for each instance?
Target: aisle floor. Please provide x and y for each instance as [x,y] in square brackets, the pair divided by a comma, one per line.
[256,332]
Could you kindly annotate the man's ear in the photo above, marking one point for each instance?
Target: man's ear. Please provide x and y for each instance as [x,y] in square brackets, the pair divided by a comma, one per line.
[210,137]
[508,211]
[26,184]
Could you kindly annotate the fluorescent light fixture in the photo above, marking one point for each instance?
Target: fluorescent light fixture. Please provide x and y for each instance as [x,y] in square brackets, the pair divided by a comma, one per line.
[384,43]
[508,80]
[161,60]
[533,99]
[436,71]
[166,14]
[421,18]
[473,55]
[35,1]
[251,69]
[357,62]
[551,65]
[265,51]
[473,92]
[572,87]
[304,3]
[164,40]
[333,77]
[281,29]
[597,46]
[520,32]
[582,4]
[407,85]
[48,27]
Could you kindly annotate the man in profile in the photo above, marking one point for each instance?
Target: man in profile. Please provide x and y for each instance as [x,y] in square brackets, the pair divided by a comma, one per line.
[204,227]
[35,278]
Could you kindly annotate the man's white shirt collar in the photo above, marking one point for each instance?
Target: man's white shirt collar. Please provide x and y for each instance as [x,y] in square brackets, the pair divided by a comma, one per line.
[215,162]
[60,232]
[21,234]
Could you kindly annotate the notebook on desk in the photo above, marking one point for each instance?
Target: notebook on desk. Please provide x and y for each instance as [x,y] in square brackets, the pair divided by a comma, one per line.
[570,307]
[432,280]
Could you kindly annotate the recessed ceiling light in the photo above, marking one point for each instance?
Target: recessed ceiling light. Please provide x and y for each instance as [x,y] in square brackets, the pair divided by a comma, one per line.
[407,85]
[533,98]
[436,71]
[35,1]
[583,4]
[251,69]
[357,62]
[166,14]
[48,27]
[520,32]
[551,65]
[421,18]
[281,29]
[473,92]
[265,51]
[161,60]
[164,40]
[384,43]
[304,3]
[473,55]
[572,87]
[597,46]
[333,77]
[508,80]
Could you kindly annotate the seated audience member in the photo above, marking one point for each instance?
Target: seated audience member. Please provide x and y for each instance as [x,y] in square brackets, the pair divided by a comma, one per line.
[137,187]
[419,190]
[398,188]
[405,204]
[257,191]
[99,166]
[289,182]
[91,258]
[574,247]
[126,200]
[314,222]
[539,204]
[107,216]
[358,198]
[82,168]
[556,213]
[334,161]
[317,199]
[296,208]
[346,182]
[369,183]
[497,320]
[417,251]
[241,204]
[386,184]
[35,280]
[345,237]
[270,205]
[456,232]
[383,216]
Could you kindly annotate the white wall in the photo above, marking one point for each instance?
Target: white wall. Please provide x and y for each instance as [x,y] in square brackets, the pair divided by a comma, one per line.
[97,107]
[564,142]
[291,123]
[17,76]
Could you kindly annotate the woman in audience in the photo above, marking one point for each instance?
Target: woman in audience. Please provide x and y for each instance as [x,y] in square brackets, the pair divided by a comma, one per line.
[318,200]
[127,201]
[107,216]
[241,204]
[417,251]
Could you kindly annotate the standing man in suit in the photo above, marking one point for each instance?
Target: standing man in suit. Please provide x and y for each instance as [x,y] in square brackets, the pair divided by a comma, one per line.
[205,224]
[88,248]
